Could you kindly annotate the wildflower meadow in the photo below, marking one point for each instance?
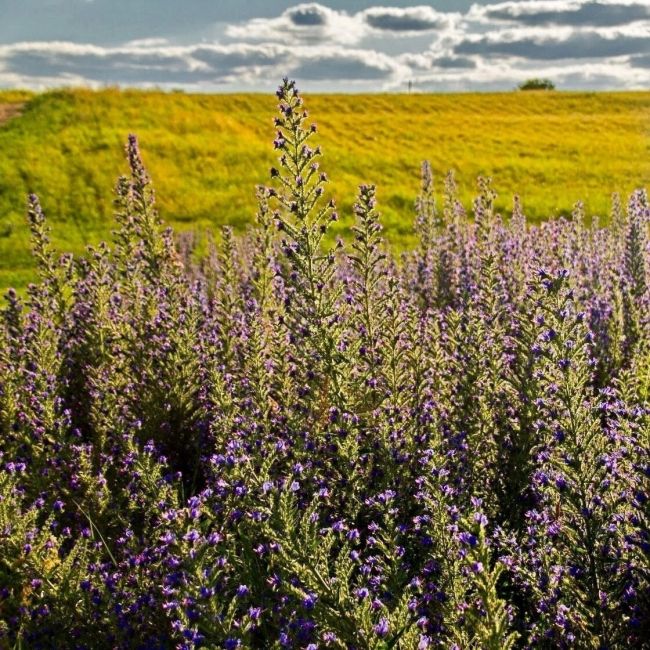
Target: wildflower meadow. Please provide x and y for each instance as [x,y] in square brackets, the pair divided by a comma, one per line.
[298,441]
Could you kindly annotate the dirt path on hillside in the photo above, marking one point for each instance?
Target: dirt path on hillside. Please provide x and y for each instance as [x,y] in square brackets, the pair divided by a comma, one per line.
[7,111]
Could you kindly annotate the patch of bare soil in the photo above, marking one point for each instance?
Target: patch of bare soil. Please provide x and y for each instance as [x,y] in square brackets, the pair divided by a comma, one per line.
[7,111]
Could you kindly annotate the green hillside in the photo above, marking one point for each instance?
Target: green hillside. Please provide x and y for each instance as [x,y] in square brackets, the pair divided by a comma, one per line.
[207,152]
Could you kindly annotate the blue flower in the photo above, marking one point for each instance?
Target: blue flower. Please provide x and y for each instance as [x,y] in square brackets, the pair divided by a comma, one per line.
[381,629]
[468,539]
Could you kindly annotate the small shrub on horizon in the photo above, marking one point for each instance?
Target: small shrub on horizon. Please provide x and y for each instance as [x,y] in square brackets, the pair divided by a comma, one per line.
[536,84]
[295,445]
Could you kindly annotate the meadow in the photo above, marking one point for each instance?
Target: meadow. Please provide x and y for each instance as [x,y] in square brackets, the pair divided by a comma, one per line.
[303,442]
[208,152]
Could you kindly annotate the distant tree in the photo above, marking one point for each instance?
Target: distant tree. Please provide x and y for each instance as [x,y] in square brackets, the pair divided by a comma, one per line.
[537,84]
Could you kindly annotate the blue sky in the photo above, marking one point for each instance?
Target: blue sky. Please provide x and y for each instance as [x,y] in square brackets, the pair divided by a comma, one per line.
[331,45]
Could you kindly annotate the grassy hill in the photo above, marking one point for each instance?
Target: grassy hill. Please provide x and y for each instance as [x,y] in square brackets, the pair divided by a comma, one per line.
[207,152]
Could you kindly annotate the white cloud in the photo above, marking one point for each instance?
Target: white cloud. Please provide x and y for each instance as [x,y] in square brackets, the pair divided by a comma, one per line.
[207,65]
[577,13]
[491,46]
[503,76]
[406,20]
[334,63]
[427,61]
[558,43]
[304,23]
[316,23]
[147,42]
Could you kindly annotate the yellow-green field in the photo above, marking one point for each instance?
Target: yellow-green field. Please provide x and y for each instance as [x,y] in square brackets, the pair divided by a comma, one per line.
[206,153]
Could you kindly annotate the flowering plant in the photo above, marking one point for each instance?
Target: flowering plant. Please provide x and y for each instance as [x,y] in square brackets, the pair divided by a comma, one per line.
[295,443]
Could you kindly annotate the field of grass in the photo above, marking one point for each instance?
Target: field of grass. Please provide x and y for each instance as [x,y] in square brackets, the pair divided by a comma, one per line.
[207,152]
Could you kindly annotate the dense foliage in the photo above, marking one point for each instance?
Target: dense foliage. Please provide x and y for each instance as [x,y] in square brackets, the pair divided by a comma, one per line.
[536,84]
[297,445]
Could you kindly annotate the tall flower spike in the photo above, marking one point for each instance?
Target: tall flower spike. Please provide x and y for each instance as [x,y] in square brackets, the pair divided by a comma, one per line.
[367,259]
[484,207]
[428,227]
[41,247]
[55,274]
[428,221]
[635,244]
[140,241]
[304,216]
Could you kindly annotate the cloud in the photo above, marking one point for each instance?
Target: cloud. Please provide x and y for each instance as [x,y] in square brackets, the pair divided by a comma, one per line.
[555,44]
[430,61]
[408,19]
[576,13]
[495,76]
[335,64]
[224,60]
[39,63]
[71,62]
[146,42]
[242,64]
[453,62]
[305,23]
[378,48]
[642,61]
[309,15]
[313,22]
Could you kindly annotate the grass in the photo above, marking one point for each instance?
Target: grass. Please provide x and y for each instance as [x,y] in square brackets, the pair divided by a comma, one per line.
[207,152]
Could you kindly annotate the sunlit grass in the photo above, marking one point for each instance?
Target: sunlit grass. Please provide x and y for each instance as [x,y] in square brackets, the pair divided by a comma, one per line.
[207,152]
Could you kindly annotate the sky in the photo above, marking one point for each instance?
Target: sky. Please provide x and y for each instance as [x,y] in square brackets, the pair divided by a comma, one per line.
[328,46]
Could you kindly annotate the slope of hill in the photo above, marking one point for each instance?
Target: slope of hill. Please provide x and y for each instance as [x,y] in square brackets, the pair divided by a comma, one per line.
[207,152]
